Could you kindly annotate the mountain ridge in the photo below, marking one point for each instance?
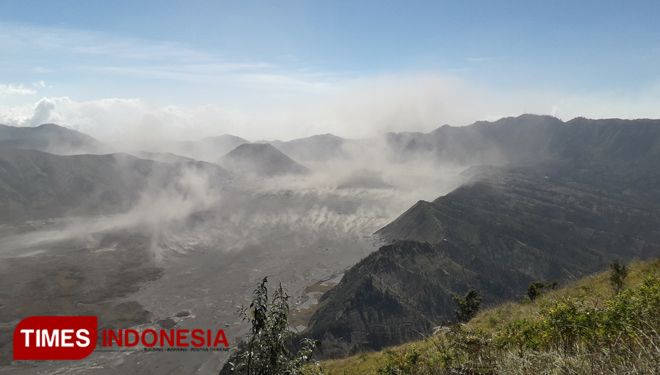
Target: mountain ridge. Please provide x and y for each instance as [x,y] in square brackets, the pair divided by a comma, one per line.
[51,138]
[506,227]
[321,147]
[36,184]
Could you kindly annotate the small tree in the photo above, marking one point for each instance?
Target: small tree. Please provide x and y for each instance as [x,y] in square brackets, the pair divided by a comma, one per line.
[265,352]
[468,306]
[537,288]
[618,273]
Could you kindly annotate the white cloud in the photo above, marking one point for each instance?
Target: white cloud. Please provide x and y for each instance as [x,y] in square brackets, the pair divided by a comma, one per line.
[256,99]
[42,113]
[355,109]
[8,90]
[115,119]
[99,117]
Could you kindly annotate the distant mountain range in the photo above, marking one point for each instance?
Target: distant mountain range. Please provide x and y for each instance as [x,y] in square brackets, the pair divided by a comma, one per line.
[522,139]
[543,199]
[561,202]
[532,139]
[51,171]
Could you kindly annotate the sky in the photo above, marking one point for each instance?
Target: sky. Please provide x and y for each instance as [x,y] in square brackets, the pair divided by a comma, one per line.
[288,69]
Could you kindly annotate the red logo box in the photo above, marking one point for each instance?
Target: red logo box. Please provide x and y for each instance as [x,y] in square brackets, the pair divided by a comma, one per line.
[55,337]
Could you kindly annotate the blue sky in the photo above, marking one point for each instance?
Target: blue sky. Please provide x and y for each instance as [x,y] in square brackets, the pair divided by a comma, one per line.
[266,69]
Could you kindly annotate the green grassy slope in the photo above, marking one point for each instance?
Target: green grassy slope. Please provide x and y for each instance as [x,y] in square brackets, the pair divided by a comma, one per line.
[583,328]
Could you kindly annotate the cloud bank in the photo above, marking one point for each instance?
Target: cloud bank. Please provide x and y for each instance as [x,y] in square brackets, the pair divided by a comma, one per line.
[355,109]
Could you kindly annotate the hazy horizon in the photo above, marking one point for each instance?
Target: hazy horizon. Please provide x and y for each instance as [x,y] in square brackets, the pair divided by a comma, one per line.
[263,71]
[123,230]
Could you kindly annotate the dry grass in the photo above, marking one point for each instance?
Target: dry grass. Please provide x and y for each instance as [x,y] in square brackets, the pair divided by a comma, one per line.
[641,357]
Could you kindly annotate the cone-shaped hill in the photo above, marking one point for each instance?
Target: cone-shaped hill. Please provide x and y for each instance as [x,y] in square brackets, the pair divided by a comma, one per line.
[262,159]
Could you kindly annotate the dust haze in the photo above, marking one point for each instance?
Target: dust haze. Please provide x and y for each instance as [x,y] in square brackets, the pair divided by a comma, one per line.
[351,196]
[350,107]
[214,233]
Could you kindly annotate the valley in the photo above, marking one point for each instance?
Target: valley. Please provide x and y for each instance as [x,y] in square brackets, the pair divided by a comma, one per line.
[176,243]
[180,234]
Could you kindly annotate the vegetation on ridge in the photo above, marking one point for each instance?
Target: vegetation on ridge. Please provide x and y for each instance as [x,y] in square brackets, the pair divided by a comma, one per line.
[265,350]
[468,306]
[497,234]
[586,328]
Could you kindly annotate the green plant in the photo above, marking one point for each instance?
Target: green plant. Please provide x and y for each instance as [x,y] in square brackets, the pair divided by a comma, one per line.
[265,350]
[618,273]
[401,364]
[468,306]
[537,288]
[574,331]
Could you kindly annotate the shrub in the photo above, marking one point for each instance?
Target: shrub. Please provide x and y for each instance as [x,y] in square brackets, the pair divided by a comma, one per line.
[618,273]
[567,333]
[537,288]
[468,306]
[265,351]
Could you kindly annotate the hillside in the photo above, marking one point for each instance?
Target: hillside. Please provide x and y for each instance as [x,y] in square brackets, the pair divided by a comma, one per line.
[51,138]
[618,333]
[404,288]
[36,184]
[261,159]
[505,228]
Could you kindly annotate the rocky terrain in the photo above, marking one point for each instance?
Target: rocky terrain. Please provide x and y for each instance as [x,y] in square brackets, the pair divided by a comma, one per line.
[560,213]
[166,236]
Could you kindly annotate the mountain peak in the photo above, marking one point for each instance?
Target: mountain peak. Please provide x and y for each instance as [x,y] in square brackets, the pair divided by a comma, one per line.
[262,159]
